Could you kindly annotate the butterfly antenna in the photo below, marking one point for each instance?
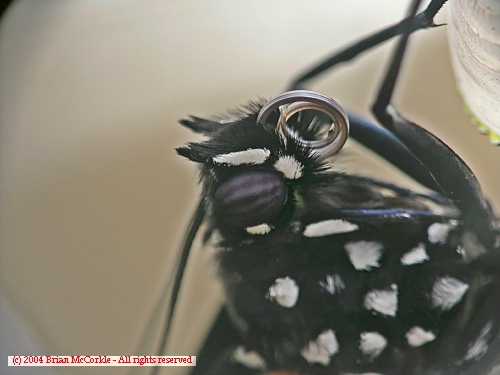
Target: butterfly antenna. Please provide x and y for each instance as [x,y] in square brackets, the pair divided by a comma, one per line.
[194,225]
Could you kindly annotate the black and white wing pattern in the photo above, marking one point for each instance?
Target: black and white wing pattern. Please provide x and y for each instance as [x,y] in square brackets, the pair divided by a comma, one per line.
[331,273]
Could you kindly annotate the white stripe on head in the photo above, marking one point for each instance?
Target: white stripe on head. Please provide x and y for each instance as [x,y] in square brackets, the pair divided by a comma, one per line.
[253,156]
[290,167]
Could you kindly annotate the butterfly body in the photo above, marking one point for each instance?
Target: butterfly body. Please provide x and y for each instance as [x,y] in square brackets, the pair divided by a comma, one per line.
[327,272]
[330,273]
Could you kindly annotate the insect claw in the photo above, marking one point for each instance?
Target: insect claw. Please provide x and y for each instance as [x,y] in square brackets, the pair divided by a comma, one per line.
[438,24]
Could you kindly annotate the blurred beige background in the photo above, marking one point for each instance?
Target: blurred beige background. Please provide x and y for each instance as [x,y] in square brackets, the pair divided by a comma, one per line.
[94,200]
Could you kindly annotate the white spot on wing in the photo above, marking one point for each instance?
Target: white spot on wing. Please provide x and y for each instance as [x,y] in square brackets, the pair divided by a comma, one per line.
[249,359]
[295,226]
[372,344]
[250,156]
[383,301]
[447,292]
[334,284]
[461,251]
[495,370]
[415,256]
[417,336]
[478,347]
[321,349]
[438,232]
[258,229]
[215,237]
[327,227]
[364,254]
[290,167]
[284,291]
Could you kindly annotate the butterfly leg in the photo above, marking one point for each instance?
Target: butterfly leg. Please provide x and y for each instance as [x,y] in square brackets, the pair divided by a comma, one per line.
[452,176]
[423,20]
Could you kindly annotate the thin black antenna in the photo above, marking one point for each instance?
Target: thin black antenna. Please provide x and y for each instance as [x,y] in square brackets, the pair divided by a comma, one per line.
[194,225]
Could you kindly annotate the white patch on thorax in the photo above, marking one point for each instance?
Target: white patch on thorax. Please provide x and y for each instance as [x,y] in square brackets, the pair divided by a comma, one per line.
[417,336]
[250,359]
[438,232]
[290,167]
[447,292]
[284,291]
[372,344]
[322,349]
[334,284]
[478,347]
[415,256]
[327,227]
[259,229]
[383,301]
[250,156]
[364,254]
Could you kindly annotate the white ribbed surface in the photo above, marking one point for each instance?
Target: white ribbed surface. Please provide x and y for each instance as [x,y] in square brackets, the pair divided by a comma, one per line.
[474,34]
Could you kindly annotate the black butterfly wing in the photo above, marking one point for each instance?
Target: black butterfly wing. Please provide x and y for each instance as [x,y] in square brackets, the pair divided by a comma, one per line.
[381,284]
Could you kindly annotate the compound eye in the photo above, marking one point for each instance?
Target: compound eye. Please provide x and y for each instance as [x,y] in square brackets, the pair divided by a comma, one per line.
[250,198]
[293,102]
